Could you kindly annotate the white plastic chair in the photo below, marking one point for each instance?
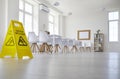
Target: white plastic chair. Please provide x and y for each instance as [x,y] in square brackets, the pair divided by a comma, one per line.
[32,38]
[73,45]
[55,42]
[81,46]
[88,46]
[65,47]
[43,41]
[57,45]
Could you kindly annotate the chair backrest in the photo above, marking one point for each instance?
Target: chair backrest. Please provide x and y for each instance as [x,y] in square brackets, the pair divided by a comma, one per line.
[70,42]
[83,44]
[58,41]
[55,36]
[65,42]
[78,43]
[43,37]
[55,39]
[32,37]
[88,44]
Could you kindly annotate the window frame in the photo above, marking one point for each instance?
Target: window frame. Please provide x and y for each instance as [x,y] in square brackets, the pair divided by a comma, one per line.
[25,12]
[109,25]
[53,23]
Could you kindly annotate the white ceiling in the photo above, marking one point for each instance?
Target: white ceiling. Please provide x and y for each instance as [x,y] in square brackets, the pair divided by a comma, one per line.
[67,6]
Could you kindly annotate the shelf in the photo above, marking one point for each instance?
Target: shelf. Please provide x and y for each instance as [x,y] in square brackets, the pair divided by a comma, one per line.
[98,42]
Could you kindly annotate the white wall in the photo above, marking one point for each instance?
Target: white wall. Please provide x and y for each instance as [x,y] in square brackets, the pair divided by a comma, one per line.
[12,10]
[2,20]
[8,11]
[43,17]
[43,20]
[93,20]
[61,25]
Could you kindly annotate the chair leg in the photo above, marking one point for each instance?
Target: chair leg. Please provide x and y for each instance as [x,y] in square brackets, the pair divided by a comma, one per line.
[47,48]
[57,47]
[88,49]
[31,47]
[51,48]
[41,49]
[74,48]
[37,46]
[55,50]
[34,47]
[82,49]
[66,49]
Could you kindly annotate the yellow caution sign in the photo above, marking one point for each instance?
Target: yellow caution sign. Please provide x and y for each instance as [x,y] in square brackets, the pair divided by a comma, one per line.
[16,43]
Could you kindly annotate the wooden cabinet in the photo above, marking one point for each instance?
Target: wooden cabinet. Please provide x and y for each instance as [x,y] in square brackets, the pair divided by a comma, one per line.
[99,42]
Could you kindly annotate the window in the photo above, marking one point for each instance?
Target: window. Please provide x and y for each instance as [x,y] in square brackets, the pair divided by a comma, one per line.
[26,15]
[113,26]
[53,22]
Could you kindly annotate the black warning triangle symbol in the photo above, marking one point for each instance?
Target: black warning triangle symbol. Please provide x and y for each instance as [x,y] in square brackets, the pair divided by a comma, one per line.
[22,42]
[10,42]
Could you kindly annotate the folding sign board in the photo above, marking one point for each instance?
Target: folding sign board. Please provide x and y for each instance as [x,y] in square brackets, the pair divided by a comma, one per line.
[16,43]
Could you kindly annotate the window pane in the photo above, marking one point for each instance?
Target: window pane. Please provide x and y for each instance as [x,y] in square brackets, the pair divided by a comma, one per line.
[51,29]
[51,18]
[28,8]
[21,16]
[56,30]
[21,4]
[113,31]
[113,15]
[28,23]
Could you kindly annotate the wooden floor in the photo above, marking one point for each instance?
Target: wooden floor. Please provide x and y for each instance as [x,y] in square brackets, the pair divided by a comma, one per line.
[63,66]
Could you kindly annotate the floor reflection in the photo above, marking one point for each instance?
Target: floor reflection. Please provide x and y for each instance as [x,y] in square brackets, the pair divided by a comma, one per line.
[113,65]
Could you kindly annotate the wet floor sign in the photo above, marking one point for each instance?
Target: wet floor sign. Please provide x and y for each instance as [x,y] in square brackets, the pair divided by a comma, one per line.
[16,43]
